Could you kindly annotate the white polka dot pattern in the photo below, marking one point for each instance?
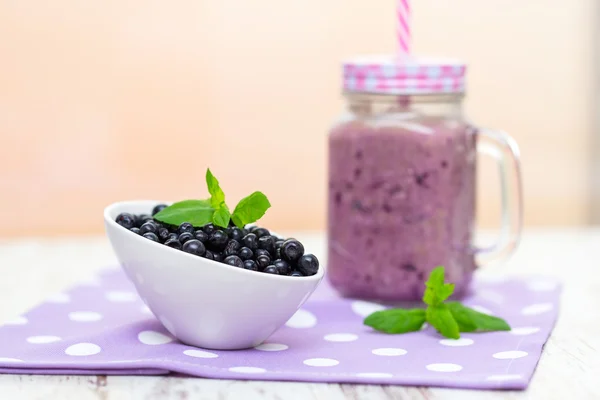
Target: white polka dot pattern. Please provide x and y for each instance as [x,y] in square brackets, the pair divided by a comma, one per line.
[121,297]
[510,355]
[341,337]
[200,354]
[42,339]
[272,347]
[444,367]
[364,308]
[153,338]
[524,330]
[389,351]
[536,309]
[321,362]
[248,370]
[374,375]
[85,316]
[482,309]
[302,319]
[83,349]
[325,340]
[457,343]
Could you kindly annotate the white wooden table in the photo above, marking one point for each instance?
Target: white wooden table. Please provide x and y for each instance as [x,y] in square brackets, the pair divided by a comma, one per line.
[32,269]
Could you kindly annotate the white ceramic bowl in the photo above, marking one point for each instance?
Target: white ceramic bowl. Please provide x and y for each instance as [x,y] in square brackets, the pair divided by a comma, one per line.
[202,302]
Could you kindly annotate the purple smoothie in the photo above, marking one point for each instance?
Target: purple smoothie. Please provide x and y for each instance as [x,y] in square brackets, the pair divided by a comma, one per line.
[401,202]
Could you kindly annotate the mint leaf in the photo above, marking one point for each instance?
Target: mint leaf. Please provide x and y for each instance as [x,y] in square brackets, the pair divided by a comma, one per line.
[221,216]
[436,277]
[436,291]
[250,209]
[196,212]
[470,320]
[440,317]
[462,317]
[449,319]
[217,197]
[396,320]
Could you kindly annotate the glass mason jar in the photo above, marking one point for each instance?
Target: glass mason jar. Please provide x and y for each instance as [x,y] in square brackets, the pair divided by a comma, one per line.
[402,173]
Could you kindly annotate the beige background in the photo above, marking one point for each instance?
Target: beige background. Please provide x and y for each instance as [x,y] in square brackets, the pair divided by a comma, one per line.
[120,99]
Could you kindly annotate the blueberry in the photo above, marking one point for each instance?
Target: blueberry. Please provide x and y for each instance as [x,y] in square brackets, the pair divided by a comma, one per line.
[250,241]
[217,240]
[157,223]
[217,256]
[194,246]
[235,233]
[263,262]
[296,273]
[163,234]
[173,236]
[245,253]
[148,227]
[271,269]
[201,236]
[135,230]
[184,237]
[277,253]
[232,248]
[158,209]
[267,243]
[282,266]
[150,235]
[174,243]
[279,243]
[185,227]
[234,261]
[262,252]
[142,219]
[208,229]
[308,265]
[251,265]
[291,250]
[209,255]
[260,232]
[126,220]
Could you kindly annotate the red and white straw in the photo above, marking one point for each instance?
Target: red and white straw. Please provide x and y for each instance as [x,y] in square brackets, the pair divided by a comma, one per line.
[403,30]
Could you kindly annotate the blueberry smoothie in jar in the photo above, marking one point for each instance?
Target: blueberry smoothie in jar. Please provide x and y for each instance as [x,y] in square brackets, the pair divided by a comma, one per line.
[401,196]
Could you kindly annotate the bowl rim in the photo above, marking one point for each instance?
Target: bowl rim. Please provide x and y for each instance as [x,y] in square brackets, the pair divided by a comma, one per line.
[110,209]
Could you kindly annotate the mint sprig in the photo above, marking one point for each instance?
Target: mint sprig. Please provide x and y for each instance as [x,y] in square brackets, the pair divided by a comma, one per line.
[397,320]
[449,319]
[250,209]
[196,212]
[217,196]
[214,209]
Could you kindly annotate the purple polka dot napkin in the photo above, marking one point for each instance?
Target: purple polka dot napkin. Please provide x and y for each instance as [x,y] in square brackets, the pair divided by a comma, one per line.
[102,327]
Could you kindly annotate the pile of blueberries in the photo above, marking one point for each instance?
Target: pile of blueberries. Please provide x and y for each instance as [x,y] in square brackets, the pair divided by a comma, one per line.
[254,249]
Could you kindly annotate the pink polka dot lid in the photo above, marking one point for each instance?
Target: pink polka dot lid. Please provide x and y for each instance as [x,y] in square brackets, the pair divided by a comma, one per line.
[403,75]
[104,328]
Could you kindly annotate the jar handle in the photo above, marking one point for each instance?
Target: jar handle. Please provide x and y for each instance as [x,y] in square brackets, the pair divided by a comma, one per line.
[505,150]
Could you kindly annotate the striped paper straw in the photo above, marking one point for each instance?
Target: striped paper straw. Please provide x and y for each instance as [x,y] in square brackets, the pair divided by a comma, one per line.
[403,30]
